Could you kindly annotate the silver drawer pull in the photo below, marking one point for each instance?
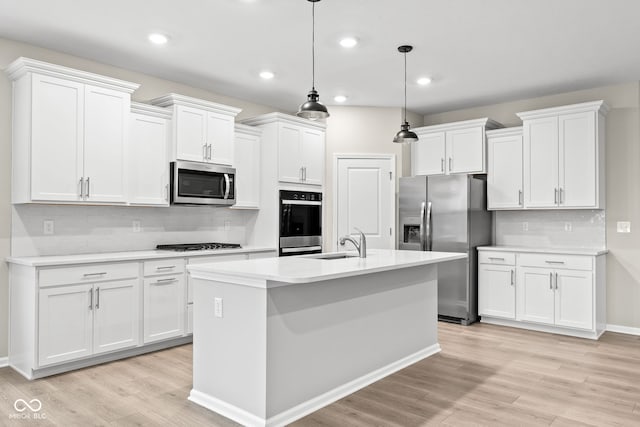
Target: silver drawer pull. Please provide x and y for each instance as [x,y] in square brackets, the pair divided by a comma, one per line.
[165,281]
[94,274]
[168,267]
[554,262]
[496,258]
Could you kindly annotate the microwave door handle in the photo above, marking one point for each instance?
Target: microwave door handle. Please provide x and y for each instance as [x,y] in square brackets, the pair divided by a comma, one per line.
[227,186]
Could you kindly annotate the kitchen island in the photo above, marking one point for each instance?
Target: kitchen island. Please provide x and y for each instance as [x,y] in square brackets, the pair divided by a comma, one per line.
[278,338]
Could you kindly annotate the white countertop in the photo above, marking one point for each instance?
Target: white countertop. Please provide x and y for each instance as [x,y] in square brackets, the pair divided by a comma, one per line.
[564,251]
[43,261]
[306,269]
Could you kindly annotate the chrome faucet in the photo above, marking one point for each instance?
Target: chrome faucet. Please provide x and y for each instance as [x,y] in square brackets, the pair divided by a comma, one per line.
[361,246]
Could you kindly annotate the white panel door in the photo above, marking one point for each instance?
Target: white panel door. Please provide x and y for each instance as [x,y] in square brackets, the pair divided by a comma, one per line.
[465,150]
[289,162]
[116,316]
[57,138]
[247,164]
[365,198]
[220,138]
[105,141]
[312,156]
[574,299]
[164,308]
[147,160]
[535,295]
[578,165]
[191,133]
[540,138]
[428,155]
[65,319]
[497,291]
[504,180]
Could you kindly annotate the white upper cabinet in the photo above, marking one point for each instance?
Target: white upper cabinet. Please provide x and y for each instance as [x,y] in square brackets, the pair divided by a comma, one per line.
[70,134]
[148,160]
[451,148]
[564,156]
[247,163]
[504,174]
[299,145]
[203,131]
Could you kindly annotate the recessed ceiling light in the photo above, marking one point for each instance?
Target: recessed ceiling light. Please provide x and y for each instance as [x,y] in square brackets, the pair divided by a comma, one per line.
[157,38]
[340,98]
[348,42]
[267,75]
[423,81]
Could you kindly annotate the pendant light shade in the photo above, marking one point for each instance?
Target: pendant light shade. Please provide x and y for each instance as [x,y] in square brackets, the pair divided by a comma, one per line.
[405,134]
[313,109]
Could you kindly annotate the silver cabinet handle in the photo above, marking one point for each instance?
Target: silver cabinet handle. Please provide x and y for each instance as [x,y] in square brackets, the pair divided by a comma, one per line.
[210,151]
[520,198]
[94,274]
[88,188]
[551,281]
[164,281]
[450,164]
[555,196]
[554,262]
[91,299]
[513,280]
[166,192]
[556,280]
[442,164]
[300,173]
[496,258]
[204,151]
[560,198]
[82,188]
[97,297]
[167,267]
[304,173]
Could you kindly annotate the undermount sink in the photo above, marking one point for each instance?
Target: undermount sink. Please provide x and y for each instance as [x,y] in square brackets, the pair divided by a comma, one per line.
[340,255]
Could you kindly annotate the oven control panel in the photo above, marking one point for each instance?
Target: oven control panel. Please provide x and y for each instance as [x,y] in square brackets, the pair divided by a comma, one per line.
[300,195]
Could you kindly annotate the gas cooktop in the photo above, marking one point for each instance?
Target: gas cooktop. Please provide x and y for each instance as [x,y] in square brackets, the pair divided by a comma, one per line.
[183,247]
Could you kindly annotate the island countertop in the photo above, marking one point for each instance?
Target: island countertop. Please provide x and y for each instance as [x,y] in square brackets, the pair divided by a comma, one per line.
[309,268]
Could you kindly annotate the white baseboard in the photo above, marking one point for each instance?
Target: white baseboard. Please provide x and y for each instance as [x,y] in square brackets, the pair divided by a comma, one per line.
[4,362]
[624,329]
[248,419]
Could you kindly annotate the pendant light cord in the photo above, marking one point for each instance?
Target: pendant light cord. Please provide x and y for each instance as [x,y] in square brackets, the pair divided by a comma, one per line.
[313,46]
[405,87]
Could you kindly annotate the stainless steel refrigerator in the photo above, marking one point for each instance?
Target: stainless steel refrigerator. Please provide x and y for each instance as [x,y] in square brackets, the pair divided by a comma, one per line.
[447,214]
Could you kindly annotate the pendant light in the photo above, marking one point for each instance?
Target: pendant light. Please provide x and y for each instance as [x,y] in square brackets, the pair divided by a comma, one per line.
[313,109]
[405,135]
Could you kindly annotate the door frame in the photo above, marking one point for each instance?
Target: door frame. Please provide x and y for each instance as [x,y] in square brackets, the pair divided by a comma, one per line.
[358,156]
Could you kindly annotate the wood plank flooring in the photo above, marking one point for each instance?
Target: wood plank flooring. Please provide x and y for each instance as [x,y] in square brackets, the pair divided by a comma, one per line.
[485,375]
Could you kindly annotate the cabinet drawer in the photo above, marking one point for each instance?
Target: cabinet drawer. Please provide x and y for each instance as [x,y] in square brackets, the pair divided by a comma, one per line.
[164,266]
[499,258]
[570,262]
[90,273]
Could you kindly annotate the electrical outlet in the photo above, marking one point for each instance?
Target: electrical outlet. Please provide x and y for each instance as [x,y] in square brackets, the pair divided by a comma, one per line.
[227,225]
[568,226]
[136,226]
[525,226]
[623,227]
[47,226]
[217,307]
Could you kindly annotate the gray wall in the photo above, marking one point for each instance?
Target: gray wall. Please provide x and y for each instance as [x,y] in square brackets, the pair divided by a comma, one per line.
[622,182]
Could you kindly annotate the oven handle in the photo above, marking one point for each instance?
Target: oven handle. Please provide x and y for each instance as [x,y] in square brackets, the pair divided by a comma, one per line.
[301,249]
[302,202]
[226,186]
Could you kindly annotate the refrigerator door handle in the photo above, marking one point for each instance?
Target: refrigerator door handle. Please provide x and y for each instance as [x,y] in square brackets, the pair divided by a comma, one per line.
[423,237]
[428,226]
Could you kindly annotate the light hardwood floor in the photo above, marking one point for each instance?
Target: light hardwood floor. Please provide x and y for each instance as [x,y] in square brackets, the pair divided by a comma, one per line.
[485,375]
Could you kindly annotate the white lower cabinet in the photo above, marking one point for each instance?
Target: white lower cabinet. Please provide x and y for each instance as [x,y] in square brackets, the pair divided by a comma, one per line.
[164,300]
[560,293]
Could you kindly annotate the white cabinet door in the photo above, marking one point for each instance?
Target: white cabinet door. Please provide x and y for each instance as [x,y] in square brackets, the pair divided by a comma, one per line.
[535,295]
[220,138]
[465,150]
[190,133]
[57,137]
[577,159]
[574,299]
[65,320]
[289,163]
[312,156]
[148,164]
[428,154]
[504,180]
[164,308]
[116,316]
[247,164]
[105,137]
[497,291]
[541,162]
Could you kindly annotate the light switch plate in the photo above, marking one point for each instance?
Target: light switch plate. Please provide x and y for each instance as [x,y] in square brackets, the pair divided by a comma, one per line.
[623,227]
[217,307]
[525,226]
[47,227]
[568,226]
[136,226]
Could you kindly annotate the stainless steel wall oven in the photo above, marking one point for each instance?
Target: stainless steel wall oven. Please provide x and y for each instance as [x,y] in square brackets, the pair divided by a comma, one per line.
[300,222]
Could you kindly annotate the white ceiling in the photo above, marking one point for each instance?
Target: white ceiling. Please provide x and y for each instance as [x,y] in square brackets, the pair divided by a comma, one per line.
[477,52]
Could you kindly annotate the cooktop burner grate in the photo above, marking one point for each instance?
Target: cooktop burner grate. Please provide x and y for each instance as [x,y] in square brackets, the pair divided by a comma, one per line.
[182,247]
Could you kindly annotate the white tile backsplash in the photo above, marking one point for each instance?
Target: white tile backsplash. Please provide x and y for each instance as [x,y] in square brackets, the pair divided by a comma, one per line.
[546,229]
[87,229]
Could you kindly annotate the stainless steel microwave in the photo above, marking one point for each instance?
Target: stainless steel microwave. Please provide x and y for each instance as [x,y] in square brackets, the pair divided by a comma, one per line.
[194,183]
